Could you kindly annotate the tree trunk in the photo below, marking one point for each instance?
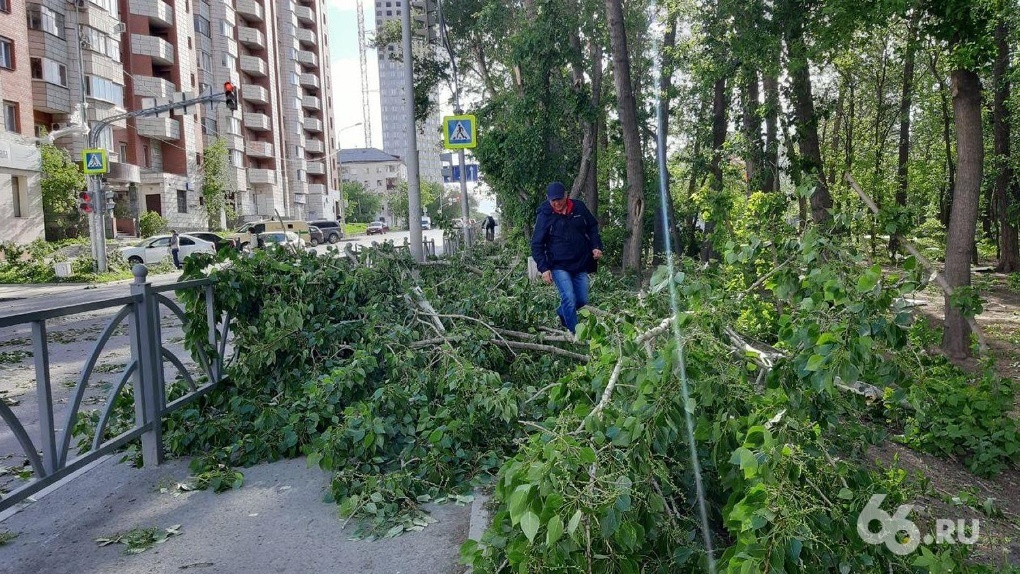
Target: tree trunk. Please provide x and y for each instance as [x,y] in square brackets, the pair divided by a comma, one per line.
[963,217]
[879,145]
[837,131]
[627,110]
[906,96]
[946,198]
[720,104]
[771,179]
[584,183]
[807,122]
[754,154]
[1009,255]
[665,215]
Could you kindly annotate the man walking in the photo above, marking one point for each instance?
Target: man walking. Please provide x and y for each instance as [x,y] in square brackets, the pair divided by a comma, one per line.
[175,247]
[490,227]
[566,245]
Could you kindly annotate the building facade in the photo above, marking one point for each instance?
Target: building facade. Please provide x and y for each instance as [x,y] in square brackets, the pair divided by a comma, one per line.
[379,172]
[393,104]
[64,63]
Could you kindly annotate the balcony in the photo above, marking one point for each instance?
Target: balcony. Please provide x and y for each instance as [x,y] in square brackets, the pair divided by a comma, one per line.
[161,51]
[251,37]
[311,103]
[254,93]
[150,87]
[261,177]
[165,129]
[250,10]
[260,149]
[317,189]
[160,14]
[313,125]
[305,15]
[307,37]
[314,146]
[258,122]
[50,98]
[316,168]
[310,81]
[307,58]
[253,66]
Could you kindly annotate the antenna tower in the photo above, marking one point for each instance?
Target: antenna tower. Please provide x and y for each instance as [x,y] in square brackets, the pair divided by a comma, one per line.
[366,112]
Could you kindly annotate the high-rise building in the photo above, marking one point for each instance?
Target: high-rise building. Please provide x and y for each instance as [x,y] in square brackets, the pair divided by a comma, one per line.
[394,107]
[107,57]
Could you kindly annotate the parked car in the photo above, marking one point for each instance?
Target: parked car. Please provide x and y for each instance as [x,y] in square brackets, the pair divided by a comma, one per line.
[155,249]
[377,227]
[246,233]
[426,223]
[211,238]
[330,229]
[284,238]
[315,236]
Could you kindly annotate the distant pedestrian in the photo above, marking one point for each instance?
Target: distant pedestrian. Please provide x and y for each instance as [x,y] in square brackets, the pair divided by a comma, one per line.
[490,227]
[175,247]
[566,246]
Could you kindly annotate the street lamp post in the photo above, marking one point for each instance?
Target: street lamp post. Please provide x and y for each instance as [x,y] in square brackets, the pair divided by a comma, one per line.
[340,166]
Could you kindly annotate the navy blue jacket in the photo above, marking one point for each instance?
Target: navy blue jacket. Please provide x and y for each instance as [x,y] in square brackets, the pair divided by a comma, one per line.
[565,241]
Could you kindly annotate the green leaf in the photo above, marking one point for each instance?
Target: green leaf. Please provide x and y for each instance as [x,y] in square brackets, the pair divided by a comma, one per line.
[814,363]
[574,521]
[530,524]
[554,529]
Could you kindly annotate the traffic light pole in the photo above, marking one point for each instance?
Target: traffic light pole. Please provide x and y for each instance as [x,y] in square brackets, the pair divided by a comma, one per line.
[97,223]
[411,157]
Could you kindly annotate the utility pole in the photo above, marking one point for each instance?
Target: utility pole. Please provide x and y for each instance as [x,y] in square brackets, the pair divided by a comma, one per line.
[411,157]
[464,208]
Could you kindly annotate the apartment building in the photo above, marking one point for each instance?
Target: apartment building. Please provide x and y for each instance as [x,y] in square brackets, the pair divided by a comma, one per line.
[394,107]
[379,172]
[62,63]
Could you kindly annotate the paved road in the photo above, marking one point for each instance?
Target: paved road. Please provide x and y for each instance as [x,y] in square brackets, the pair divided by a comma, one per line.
[396,237]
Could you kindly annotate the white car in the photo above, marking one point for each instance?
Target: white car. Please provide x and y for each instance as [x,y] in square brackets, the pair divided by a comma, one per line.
[155,249]
[280,238]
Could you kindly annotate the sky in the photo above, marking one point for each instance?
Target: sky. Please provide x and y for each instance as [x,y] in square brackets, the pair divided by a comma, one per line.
[345,66]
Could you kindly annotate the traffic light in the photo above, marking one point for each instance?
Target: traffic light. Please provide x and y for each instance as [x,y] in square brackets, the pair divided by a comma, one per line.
[230,95]
[85,202]
[110,199]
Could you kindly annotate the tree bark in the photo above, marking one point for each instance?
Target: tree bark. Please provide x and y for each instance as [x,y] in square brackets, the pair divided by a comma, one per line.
[946,198]
[720,103]
[807,121]
[903,152]
[627,110]
[1009,252]
[771,179]
[665,215]
[754,154]
[966,86]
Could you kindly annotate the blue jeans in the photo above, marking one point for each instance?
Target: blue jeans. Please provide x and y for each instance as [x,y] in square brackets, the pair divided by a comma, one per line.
[573,288]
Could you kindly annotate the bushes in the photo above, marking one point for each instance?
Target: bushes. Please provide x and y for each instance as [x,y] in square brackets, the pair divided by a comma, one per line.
[151,223]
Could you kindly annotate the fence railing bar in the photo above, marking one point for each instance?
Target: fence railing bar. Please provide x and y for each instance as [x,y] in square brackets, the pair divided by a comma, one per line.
[166,354]
[26,441]
[203,360]
[210,321]
[52,313]
[44,394]
[111,401]
[188,398]
[86,374]
[182,285]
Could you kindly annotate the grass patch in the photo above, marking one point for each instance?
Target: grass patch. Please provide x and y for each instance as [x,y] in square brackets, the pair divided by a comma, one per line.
[13,357]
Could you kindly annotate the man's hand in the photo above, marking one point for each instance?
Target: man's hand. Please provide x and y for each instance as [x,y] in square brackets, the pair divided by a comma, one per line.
[596,253]
[547,277]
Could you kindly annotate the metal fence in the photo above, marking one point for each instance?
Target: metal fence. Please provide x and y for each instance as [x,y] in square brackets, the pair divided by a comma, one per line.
[48,448]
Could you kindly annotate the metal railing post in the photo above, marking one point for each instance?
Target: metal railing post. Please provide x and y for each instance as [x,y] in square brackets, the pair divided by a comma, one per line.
[44,394]
[148,379]
[210,317]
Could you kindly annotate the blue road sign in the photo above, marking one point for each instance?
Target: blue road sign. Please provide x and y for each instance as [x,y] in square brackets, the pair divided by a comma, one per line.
[94,161]
[460,132]
[471,169]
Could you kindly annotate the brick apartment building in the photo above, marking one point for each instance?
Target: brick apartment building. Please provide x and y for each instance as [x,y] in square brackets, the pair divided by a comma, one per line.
[107,55]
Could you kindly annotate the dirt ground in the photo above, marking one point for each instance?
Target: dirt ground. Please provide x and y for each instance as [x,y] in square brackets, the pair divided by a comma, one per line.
[953,491]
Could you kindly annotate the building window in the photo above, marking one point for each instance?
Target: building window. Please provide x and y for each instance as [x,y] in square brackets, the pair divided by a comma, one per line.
[301,175]
[99,42]
[11,116]
[227,29]
[108,5]
[228,61]
[202,26]
[5,6]
[146,157]
[45,19]
[204,60]
[48,70]
[123,153]
[6,53]
[236,158]
[103,89]
[16,195]
[182,201]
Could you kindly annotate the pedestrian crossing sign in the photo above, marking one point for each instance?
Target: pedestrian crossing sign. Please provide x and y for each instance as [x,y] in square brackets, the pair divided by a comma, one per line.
[94,161]
[460,132]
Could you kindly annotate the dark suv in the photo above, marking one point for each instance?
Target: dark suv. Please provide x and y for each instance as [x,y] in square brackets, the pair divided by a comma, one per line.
[330,230]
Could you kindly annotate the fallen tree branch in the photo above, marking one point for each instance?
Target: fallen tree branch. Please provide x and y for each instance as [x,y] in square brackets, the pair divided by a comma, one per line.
[940,280]
[512,344]
[429,310]
[607,394]
[763,279]
[765,357]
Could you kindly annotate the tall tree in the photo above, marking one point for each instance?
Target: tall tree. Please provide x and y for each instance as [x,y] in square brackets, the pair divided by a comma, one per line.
[798,67]
[627,110]
[1004,204]
[61,182]
[665,215]
[214,184]
[903,150]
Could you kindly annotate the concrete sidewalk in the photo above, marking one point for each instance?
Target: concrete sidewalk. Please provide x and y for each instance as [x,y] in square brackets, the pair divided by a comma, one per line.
[276,523]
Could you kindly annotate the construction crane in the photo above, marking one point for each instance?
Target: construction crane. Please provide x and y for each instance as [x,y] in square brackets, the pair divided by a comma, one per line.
[365,108]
